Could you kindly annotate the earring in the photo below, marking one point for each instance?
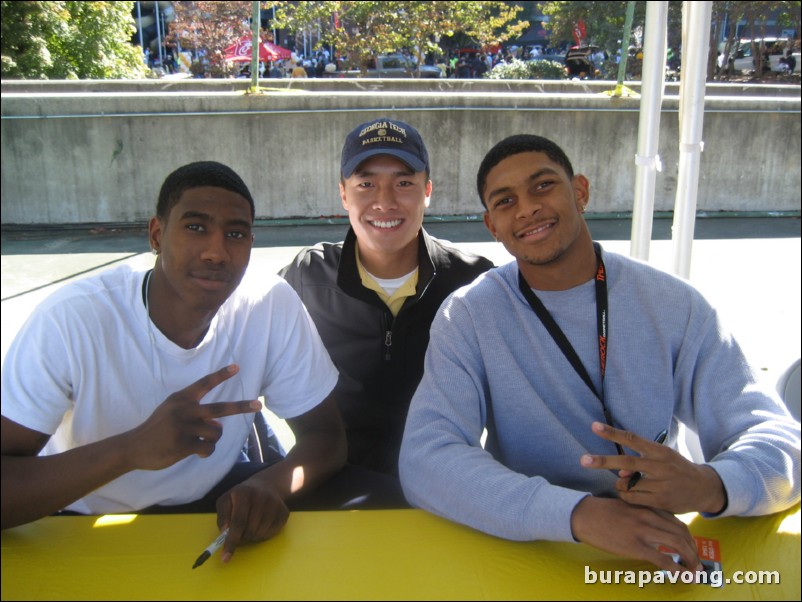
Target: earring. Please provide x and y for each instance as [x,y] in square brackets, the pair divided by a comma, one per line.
[155,251]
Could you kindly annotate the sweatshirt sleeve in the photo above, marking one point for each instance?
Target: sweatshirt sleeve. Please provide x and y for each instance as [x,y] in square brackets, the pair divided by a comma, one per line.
[443,466]
[746,432]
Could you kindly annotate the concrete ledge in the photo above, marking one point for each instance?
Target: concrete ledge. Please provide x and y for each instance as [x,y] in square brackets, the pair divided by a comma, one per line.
[483,86]
[130,104]
[97,152]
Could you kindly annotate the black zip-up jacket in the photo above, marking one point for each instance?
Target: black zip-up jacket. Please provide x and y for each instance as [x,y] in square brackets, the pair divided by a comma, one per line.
[380,358]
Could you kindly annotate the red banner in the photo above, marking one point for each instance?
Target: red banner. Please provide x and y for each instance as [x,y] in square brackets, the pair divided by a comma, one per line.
[240,51]
[579,32]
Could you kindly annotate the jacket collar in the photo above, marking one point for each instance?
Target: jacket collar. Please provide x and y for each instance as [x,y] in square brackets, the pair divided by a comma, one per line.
[348,274]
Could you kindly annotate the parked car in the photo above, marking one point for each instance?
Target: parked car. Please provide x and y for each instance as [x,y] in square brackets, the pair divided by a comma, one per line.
[743,61]
[579,62]
[393,66]
[398,65]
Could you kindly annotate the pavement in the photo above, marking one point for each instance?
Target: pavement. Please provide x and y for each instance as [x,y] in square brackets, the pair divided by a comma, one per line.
[749,268]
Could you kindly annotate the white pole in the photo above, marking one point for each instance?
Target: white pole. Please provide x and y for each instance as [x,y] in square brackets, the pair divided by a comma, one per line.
[159,24]
[139,26]
[647,161]
[695,47]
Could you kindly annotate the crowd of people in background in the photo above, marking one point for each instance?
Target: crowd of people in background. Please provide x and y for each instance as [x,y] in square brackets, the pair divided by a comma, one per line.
[463,63]
[466,63]
[296,66]
[166,63]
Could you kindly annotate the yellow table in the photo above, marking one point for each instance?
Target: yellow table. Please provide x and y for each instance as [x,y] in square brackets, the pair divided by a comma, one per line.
[368,555]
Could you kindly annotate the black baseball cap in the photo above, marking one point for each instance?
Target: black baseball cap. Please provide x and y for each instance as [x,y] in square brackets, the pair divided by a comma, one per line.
[384,136]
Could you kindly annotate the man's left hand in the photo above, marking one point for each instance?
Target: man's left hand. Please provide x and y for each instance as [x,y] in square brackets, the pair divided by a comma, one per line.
[253,511]
[668,481]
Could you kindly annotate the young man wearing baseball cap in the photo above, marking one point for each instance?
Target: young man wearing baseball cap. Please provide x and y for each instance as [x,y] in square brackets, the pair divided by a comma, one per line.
[374,295]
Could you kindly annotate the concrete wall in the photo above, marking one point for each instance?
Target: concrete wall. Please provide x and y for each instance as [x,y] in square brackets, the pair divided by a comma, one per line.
[97,152]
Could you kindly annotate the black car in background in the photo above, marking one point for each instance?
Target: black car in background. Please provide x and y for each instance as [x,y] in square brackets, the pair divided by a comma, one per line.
[579,62]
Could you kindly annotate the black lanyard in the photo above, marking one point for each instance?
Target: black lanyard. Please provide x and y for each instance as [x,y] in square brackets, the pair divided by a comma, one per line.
[562,341]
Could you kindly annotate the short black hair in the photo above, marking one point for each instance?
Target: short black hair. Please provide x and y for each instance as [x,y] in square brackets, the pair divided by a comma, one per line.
[195,175]
[513,145]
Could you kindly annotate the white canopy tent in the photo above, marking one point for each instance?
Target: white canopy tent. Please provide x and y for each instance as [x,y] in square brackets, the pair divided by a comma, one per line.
[695,46]
[647,161]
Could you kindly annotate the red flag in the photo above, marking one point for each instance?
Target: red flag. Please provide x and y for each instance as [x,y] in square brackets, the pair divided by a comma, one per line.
[240,51]
[579,32]
[336,21]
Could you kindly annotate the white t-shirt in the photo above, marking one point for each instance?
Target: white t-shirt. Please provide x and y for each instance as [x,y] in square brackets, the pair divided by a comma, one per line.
[89,364]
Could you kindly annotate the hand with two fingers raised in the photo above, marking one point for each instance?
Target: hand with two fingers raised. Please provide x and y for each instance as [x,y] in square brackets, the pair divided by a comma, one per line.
[182,425]
[668,481]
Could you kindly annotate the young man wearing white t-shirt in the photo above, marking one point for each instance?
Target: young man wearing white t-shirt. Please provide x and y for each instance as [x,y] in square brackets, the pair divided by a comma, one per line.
[136,391]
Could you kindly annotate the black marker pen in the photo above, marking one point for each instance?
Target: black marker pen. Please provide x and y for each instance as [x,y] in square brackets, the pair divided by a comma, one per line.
[213,547]
[633,480]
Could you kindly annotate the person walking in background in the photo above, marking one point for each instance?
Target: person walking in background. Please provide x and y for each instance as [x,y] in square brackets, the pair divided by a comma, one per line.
[463,68]
[373,297]
[788,62]
[478,66]
[442,65]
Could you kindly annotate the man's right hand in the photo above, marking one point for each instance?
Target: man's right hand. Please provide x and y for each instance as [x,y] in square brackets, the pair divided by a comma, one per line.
[35,486]
[634,532]
[182,426]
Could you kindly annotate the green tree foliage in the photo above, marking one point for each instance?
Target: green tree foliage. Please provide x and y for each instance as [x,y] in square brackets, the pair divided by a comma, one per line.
[357,30]
[487,23]
[69,40]
[208,28]
[756,15]
[604,22]
[362,30]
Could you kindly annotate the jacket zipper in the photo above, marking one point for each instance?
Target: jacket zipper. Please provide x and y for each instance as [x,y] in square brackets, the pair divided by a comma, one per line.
[388,341]
[389,322]
[388,334]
